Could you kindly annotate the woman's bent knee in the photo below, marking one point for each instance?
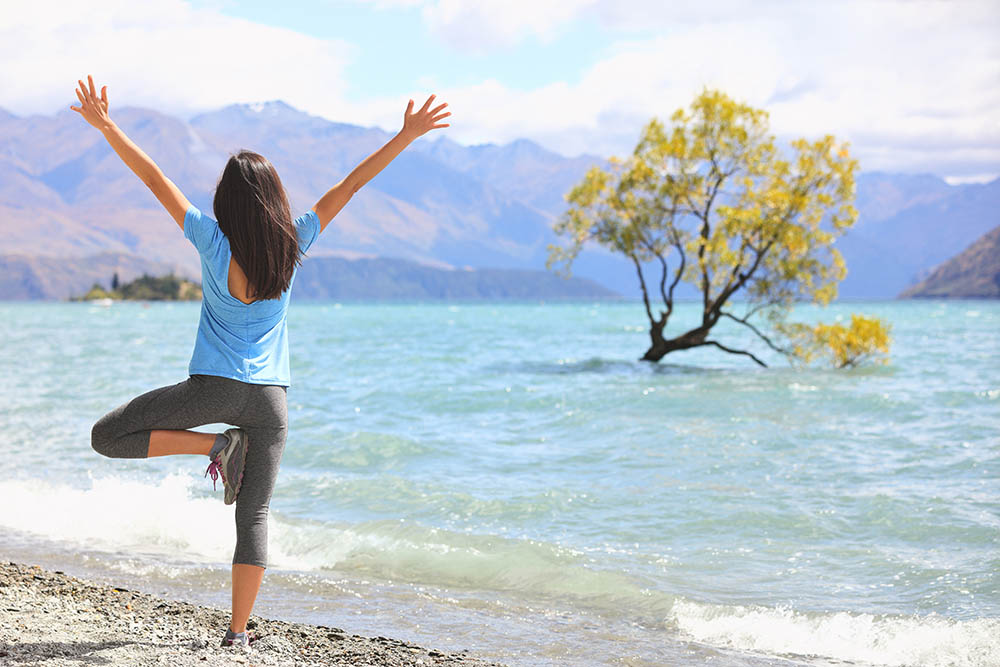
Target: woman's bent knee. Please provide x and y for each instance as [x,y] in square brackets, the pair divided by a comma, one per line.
[107,440]
[101,438]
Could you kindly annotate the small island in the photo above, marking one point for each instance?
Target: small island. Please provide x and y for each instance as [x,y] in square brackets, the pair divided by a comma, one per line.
[145,288]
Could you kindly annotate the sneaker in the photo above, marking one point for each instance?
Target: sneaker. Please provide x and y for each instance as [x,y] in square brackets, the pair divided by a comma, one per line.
[229,464]
[238,639]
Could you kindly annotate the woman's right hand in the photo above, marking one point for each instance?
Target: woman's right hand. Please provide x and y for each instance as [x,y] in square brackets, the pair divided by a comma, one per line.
[94,109]
[425,119]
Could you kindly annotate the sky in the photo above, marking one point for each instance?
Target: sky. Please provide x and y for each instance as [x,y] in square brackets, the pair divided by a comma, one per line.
[913,85]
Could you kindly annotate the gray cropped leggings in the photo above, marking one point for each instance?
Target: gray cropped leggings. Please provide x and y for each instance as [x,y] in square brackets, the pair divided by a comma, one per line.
[259,409]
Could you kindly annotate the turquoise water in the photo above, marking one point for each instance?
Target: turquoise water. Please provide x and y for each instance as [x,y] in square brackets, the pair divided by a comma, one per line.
[507,478]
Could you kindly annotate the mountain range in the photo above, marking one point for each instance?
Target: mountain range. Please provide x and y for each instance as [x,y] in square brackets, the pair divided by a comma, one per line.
[973,273]
[65,194]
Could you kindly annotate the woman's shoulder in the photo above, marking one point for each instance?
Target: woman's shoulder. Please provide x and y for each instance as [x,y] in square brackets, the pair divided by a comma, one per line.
[202,230]
[307,226]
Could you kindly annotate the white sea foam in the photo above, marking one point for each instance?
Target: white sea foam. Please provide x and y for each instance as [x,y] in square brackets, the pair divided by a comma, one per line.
[929,641]
[116,514]
[167,518]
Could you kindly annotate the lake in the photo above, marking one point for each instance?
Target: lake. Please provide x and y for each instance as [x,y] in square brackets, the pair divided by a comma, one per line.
[507,478]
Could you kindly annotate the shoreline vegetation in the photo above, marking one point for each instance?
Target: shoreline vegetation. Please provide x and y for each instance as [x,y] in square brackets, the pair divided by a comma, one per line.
[48,616]
[145,288]
[376,279]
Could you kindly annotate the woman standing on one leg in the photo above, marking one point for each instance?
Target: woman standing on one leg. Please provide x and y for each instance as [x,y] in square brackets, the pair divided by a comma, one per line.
[239,370]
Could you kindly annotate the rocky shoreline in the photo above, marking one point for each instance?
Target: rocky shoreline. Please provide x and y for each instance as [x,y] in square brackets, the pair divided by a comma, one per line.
[52,619]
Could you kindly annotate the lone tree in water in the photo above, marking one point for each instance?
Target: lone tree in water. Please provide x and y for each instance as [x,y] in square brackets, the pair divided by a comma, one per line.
[713,203]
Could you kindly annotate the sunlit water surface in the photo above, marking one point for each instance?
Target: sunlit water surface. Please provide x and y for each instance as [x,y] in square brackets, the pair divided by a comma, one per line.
[509,479]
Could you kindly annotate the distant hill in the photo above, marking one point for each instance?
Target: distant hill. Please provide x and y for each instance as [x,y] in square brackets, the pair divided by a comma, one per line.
[24,277]
[48,278]
[908,224]
[64,193]
[386,278]
[973,273]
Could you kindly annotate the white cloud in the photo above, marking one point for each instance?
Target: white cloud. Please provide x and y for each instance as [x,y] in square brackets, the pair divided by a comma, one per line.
[476,26]
[913,85]
[486,24]
[161,54]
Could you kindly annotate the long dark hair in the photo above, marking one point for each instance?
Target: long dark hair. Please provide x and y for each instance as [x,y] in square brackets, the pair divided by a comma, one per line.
[252,209]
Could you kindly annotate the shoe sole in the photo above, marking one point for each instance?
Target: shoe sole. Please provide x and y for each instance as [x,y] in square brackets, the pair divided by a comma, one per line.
[239,450]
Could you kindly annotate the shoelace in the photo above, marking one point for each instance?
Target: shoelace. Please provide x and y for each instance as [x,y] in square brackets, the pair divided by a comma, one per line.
[215,470]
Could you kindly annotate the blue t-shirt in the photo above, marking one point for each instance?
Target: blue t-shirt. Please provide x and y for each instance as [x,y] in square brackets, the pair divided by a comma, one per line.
[243,341]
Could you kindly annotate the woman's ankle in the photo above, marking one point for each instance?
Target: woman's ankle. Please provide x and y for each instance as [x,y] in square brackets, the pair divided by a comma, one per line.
[221,442]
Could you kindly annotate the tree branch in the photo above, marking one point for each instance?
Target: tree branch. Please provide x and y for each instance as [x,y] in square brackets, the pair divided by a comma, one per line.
[732,351]
[760,307]
[744,277]
[667,303]
[756,331]
[642,284]
[705,231]
[739,263]
[680,271]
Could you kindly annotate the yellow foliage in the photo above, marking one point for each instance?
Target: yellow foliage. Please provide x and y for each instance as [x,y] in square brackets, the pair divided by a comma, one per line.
[866,339]
[714,186]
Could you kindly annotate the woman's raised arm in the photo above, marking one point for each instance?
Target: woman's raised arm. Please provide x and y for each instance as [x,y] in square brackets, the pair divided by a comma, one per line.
[94,110]
[414,125]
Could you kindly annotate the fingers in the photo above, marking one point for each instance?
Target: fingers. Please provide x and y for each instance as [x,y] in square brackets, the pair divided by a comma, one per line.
[84,94]
[427,118]
[438,119]
[90,92]
[89,101]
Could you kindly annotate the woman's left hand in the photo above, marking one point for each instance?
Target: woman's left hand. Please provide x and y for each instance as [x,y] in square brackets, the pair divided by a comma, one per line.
[94,109]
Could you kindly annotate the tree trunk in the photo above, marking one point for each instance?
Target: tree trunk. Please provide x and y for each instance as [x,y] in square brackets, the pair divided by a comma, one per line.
[659,346]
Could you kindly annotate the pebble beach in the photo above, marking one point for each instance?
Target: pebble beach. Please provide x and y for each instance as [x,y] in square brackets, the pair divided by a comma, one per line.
[53,619]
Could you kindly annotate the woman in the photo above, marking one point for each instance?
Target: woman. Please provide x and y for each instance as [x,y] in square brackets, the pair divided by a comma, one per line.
[239,372]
